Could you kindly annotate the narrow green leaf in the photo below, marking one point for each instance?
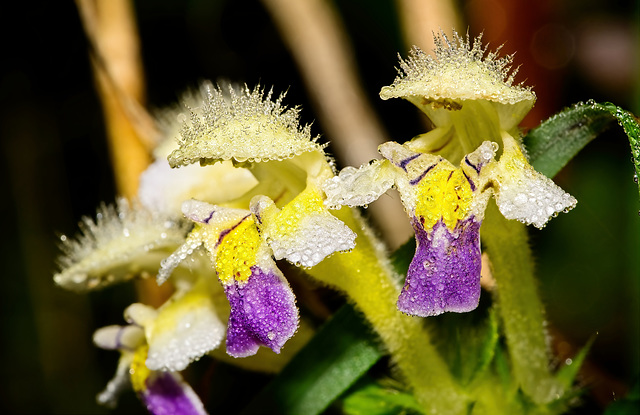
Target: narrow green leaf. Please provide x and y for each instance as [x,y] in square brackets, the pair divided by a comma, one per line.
[468,341]
[338,355]
[374,399]
[561,137]
[503,369]
[567,373]
[557,140]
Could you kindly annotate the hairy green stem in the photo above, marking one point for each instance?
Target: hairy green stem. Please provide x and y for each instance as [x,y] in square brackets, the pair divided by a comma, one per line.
[520,307]
[366,276]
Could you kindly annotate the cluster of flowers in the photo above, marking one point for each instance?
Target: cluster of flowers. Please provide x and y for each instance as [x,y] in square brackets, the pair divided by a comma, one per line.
[253,187]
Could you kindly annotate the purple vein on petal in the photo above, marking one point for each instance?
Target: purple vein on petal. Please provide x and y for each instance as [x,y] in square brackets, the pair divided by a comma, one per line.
[403,163]
[424,173]
[226,231]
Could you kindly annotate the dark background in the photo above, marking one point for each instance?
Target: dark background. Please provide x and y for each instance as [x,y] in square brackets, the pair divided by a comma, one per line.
[55,168]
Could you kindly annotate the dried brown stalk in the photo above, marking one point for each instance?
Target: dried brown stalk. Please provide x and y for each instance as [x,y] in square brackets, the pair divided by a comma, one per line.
[313,32]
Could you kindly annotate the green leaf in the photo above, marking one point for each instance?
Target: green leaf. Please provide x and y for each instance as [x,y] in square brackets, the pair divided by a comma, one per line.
[468,341]
[557,140]
[375,399]
[561,137]
[566,376]
[567,373]
[338,355]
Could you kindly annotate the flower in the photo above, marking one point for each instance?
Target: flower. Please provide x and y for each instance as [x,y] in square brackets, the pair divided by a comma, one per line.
[242,243]
[256,196]
[263,310]
[161,391]
[474,106]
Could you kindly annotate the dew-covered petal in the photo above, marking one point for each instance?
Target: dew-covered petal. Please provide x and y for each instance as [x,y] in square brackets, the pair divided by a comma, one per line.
[167,394]
[303,232]
[263,312]
[243,125]
[474,163]
[358,187]
[414,167]
[185,329]
[212,224]
[461,71]
[525,194]
[431,188]
[122,242]
[444,275]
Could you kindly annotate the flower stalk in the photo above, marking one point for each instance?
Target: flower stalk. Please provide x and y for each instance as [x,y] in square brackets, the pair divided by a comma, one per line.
[519,305]
[366,276]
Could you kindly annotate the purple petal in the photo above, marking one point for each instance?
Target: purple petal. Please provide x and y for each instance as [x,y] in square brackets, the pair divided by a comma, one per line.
[166,394]
[444,274]
[263,312]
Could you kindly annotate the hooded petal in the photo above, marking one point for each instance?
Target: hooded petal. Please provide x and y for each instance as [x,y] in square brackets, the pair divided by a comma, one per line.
[525,194]
[303,232]
[460,72]
[123,241]
[242,125]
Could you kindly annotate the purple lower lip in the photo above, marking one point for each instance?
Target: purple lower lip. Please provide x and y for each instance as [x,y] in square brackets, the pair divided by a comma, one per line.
[444,274]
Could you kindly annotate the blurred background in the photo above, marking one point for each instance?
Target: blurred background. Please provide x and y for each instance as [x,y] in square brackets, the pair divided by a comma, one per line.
[56,167]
